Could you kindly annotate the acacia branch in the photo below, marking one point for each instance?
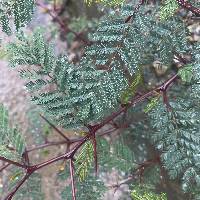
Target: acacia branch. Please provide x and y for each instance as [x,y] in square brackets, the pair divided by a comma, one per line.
[4,167]
[62,25]
[56,129]
[13,162]
[185,4]
[139,171]
[92,130]
[16,188]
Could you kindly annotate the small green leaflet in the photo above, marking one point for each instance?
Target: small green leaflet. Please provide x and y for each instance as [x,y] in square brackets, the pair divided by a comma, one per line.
[168,9]
[142,193]
[154,101]
[84,160]
[12,144]
[5,152]
[186,73]
[130,91]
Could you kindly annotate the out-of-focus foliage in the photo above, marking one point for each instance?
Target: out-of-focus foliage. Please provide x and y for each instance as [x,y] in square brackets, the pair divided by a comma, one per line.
[32,189]
[139,193]
[105,2]
[20,10]
[12,143]
[90,188]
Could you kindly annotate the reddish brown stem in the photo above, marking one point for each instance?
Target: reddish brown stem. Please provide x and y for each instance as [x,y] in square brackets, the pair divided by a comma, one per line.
[11,195]
[92,130]
[94,141]
[137,7]
[26,157]
[4,167]
[185,4]
[54,5]
[56,129]
[62,25]
[138,171]
[13,162]
[71,165]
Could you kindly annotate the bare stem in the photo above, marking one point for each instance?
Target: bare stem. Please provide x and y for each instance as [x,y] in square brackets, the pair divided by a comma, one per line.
[71,165]
[62,25]
[56,129]
[12,193]
[185,4]
[4,167]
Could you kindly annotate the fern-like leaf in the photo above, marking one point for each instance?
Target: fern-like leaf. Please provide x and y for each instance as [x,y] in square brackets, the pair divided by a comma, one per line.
[20,10]
[84,160]
[117,155]
[168,9]
[142,193]
[12,144]
[177,137]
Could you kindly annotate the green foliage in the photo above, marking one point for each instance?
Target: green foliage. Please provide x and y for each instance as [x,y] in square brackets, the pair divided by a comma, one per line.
[177,137]
[177,131]
[32,189]
[168,9]
[5,152]
[12,144]
[130,91]
[141,193]
[81,25]
[20,10]
[196,78]
[141,41]
[38,128]
[115,155]
[84,160]
[74,95]
[186,73]
[90,188]
[154,101]
[86,93]
[105,2]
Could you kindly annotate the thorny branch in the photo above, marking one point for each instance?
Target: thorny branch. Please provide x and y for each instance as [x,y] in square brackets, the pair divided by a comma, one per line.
[72,179]
[137,172]
[92,129]
[56,129]
[66,29]
[185,4]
